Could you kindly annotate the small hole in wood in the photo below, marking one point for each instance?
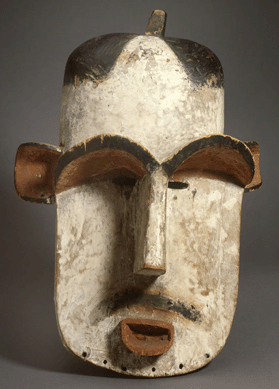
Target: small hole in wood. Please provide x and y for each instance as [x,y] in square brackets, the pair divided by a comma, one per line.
[105,362]
[124,368]
[207,355]
[153,369]
[181,366]
[84,354]
[42,195]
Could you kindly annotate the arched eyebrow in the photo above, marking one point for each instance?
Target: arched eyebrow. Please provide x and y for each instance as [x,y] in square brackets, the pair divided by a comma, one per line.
[220,154]
[39,167]
[102,155]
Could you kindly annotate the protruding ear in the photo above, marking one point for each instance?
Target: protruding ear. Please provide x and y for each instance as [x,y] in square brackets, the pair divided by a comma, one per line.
[256,183]
[35,172]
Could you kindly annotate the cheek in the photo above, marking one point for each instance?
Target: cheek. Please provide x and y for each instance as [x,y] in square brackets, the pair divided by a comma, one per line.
[90,242]
[202,237]
[192,242]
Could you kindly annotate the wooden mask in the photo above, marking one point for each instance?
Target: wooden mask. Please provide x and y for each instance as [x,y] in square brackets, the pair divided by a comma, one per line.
[148,193]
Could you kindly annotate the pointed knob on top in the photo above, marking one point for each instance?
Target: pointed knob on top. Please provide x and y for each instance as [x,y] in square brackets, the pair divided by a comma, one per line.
[157,23]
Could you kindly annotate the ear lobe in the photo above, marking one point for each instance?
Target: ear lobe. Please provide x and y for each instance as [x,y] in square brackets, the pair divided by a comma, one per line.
[35,172]
[256,183]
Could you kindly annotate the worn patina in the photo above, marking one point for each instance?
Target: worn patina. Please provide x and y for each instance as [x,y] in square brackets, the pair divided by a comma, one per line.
[148,192]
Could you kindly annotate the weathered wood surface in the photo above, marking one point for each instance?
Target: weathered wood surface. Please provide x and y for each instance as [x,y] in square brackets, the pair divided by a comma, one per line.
[97,288]
[147,97]
[148,193]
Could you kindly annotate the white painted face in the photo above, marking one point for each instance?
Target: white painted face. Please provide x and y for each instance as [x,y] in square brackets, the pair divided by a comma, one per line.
[147,249]
[147,97]
[98,286]
[146,268]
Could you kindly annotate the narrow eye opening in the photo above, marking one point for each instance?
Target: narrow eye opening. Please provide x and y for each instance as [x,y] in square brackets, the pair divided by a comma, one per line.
[117,166]
[125,181]
[177,184]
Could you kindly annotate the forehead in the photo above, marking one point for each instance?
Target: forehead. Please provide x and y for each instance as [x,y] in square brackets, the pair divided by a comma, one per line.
[147,97]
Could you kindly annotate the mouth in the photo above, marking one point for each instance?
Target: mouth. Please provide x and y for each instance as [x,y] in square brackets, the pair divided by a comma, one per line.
[147,337]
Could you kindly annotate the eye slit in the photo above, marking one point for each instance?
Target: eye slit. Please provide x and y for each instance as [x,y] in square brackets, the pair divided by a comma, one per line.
[124,181]
[177,185]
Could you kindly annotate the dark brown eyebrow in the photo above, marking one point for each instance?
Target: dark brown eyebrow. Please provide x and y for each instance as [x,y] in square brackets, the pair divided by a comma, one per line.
[99,155]
[220,154]
[111,142]
[42,170]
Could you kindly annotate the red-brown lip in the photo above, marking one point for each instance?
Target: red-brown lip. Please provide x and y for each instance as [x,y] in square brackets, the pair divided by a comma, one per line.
[147,337]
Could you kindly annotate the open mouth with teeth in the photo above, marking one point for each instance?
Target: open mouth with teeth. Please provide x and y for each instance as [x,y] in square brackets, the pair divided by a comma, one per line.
[147,337]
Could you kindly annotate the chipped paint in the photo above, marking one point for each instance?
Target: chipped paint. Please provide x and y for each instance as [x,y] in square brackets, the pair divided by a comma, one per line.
[96,256]
[148,198]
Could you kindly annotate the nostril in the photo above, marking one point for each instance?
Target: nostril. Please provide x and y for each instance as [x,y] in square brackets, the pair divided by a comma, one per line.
[124,181]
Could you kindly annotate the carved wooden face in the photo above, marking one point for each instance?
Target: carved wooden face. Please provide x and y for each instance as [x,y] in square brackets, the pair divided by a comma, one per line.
[147,257]
[98,287]
[148,195]
[147,252]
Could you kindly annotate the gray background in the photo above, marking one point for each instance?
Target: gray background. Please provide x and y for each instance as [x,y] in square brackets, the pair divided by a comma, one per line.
[36,39]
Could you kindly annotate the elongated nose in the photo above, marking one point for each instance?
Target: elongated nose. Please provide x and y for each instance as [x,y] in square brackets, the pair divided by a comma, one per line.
[150,234]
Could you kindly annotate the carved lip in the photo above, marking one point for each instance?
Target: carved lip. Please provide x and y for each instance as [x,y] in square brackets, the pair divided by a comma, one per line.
[147,337]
